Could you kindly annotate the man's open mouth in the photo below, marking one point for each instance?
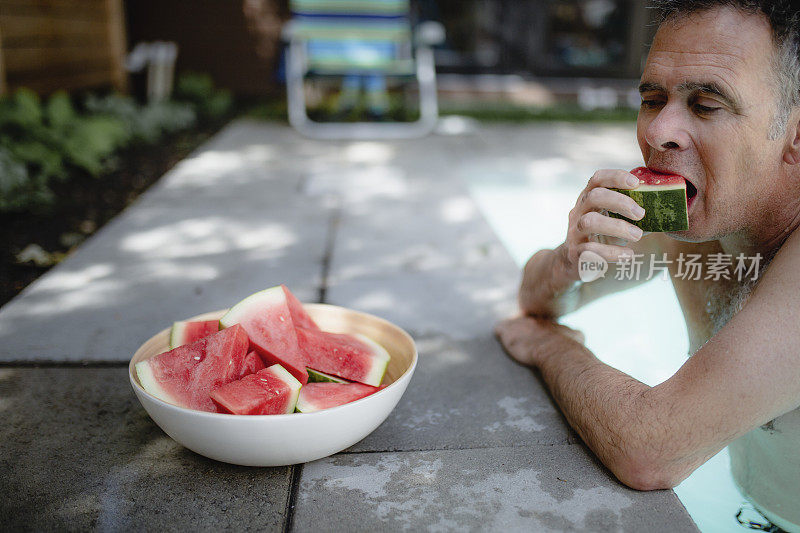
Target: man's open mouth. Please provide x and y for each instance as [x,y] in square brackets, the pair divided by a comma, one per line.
[691,193]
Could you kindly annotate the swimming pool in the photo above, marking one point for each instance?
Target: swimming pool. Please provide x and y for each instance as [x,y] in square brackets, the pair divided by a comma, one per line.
[525,194]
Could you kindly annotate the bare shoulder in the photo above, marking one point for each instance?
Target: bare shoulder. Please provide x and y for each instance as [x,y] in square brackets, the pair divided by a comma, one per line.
[784,269]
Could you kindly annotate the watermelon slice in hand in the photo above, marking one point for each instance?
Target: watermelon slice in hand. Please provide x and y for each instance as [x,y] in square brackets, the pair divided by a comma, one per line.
[186,375]
[664,199]
[187,332]
[318,396]
[271,391]
[267,319]
[346,356]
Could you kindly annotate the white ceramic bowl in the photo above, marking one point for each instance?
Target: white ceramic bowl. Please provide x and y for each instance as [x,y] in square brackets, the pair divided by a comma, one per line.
[276,440]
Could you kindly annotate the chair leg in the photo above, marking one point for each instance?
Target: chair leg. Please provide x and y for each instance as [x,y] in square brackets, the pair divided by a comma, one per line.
[428,99]
[295,87]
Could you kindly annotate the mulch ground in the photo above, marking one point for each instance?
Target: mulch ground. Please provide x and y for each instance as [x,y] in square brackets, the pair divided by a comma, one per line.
[84,205]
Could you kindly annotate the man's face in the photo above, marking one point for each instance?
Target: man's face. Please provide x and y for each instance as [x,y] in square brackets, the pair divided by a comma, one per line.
[709,98]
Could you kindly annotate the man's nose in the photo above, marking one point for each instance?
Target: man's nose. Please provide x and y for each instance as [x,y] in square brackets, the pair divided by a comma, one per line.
[668,130]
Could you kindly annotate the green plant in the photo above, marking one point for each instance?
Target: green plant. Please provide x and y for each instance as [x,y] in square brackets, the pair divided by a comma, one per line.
[47,142]
[146,124]
[18,190]
[198,89]
[52,137]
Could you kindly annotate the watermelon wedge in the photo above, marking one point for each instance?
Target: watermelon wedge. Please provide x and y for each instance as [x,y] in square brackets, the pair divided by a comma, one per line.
[318,396]
[271,391]
[300,318]
[345,356]
[266,318]
[187,332]
[664,199]
[186,375]
[322,377]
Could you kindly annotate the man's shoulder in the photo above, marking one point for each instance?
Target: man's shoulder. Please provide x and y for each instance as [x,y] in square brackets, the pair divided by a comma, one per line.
[787,255]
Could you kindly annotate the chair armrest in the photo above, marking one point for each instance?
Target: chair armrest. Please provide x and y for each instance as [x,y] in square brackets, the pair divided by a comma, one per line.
[429,33]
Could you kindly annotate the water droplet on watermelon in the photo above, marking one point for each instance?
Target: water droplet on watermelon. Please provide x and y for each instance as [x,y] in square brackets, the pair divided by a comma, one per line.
[196,357]
[282,319]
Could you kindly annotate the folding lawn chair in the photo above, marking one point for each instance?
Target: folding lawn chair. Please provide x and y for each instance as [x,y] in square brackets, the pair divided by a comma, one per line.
[371,39]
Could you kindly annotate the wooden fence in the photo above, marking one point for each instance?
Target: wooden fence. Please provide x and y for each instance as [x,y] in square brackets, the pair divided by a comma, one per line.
[47,45]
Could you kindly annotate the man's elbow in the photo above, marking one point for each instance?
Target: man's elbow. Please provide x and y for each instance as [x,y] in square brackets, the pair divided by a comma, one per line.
[648,473]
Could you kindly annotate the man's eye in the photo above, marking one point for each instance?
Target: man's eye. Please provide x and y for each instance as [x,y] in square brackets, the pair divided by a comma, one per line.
[651,104]
[705,110]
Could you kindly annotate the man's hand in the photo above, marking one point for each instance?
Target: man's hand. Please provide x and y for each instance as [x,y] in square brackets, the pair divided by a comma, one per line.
[529,340]
[550,279]
[589,227]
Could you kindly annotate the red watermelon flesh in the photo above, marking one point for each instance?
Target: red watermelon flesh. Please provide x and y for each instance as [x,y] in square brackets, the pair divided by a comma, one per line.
[266,318]
[187,332]
[300,318]
[651,177]
[252,363]
[654,178]
[318,396]
[186,375]
[270,391]
[357,359]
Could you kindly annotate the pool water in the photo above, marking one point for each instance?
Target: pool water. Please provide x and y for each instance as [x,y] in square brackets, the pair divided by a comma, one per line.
[527,206]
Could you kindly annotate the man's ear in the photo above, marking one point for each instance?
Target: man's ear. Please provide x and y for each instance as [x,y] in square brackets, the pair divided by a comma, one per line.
[791,154]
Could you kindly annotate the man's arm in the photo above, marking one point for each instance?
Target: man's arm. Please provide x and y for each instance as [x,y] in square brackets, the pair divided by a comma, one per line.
[550,288]
[550,284]
[654,437]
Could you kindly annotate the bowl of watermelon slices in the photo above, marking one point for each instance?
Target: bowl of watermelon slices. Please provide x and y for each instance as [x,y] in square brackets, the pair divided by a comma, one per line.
[272,381]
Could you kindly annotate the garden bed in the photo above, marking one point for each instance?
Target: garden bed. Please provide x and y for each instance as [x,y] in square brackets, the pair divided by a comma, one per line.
[84,205]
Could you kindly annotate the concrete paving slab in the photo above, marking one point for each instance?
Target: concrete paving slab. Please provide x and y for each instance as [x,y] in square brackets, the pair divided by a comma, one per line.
[424,257]
[534,488]
[469,394]
[439,270]
[78,452]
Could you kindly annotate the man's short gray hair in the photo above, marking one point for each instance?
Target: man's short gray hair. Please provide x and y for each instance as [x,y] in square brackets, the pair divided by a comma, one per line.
[784,18]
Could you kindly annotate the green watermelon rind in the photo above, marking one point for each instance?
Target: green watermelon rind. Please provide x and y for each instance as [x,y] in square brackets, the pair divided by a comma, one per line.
[255,300]
[149,382]
[315,376]
[176,333]
[665,207]
[376,373]
[294,384]
[302,407]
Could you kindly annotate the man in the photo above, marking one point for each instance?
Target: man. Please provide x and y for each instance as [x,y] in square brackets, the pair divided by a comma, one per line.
[720,94]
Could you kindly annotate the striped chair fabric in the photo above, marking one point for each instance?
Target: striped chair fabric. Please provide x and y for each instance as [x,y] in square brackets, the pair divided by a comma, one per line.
[346,36]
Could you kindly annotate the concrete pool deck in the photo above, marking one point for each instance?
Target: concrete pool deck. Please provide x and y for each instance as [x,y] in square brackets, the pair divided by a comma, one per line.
[386,228]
